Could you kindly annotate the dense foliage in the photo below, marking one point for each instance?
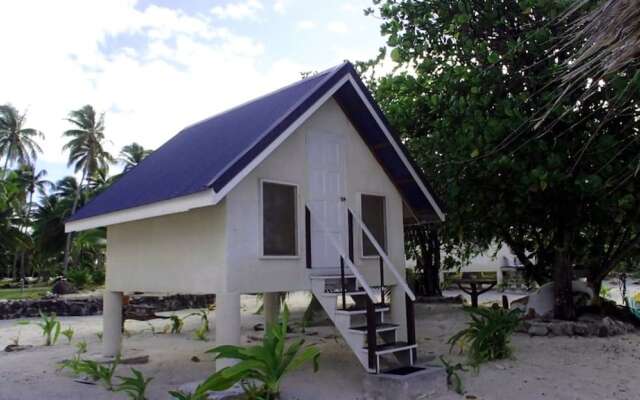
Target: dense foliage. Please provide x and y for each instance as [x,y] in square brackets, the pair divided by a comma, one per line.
[33,209]
[473,99]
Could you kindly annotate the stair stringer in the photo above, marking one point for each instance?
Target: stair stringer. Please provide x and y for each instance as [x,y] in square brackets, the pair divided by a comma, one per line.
[342,322]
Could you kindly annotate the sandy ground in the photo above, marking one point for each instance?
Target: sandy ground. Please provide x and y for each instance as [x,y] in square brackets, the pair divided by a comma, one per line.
[542,368]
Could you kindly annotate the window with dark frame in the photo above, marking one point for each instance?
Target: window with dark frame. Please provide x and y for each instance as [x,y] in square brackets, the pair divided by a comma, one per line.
[373,216]
[279,225]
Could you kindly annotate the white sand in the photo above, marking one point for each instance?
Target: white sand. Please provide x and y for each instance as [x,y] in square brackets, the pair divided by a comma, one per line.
[543,368]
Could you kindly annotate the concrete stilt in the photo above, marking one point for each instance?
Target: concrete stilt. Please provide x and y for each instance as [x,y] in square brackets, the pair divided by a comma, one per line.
[111,324]
[271,303]
[227,323]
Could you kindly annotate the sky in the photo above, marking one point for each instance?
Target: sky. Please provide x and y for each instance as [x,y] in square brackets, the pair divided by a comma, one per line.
[156,66]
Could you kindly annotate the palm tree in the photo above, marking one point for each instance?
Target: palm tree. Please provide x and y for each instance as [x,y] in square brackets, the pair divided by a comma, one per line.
[86,153]
[132,154]
[17,143]
[30,182]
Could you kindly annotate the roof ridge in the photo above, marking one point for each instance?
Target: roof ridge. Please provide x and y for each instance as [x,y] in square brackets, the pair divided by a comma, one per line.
[281,89]
[330,73]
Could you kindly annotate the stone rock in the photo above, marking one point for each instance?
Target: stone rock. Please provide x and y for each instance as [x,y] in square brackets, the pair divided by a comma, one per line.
[538,330]
[16,347]
[63,287]
[580,329]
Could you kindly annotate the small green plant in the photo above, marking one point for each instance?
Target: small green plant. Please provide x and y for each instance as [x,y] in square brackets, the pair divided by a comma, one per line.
[180,395]
[50,328]
[81,347]
[201,333]
[134,386]
[97,371]
[73,364]
[453,378]
[68,333]
[176,324]
[204,318]
[99,335]
[488,334]
[79,277]
[261,368]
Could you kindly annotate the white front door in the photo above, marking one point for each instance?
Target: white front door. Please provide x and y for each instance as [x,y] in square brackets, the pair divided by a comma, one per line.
[326,195]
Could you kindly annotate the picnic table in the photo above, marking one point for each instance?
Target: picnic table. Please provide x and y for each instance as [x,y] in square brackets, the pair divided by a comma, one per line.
[474,287]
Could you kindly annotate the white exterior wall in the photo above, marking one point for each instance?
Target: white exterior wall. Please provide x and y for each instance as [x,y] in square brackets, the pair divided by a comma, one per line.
[183,253]
[247,271]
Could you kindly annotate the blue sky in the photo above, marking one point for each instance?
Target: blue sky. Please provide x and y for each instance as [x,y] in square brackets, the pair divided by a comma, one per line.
[155,66]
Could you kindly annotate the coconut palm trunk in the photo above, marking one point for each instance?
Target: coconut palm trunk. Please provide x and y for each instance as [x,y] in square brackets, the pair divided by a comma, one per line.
[74,207]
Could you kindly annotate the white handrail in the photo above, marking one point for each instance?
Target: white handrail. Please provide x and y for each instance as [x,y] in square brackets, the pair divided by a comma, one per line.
[384,256]
[346,259]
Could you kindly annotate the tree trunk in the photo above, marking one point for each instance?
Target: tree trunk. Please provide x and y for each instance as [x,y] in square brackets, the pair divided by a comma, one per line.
[67,245]
[563,307]
[22,272]
[596,286]
[15,266]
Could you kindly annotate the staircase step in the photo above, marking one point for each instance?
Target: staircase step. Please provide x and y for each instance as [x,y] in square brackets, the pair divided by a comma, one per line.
[382,327]
[362,310]
[392,348]
[331,276]
[339,293]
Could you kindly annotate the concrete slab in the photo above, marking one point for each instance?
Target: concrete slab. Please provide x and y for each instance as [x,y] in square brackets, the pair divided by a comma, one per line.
[428,383]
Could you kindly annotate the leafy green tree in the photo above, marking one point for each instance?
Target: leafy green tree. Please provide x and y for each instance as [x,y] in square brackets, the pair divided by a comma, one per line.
[86,153]
[17,142]
[132,154]
[472,82]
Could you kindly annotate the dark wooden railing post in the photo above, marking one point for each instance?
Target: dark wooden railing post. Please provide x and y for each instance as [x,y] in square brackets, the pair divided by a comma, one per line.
[411,322]
[381,280]
[371,335]
[343,284]
[307,235]
[350,227]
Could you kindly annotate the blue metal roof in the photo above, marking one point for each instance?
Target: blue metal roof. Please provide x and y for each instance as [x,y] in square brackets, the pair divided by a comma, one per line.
[210,153]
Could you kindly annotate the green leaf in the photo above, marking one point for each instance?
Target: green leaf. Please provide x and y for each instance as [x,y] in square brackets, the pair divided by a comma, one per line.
[396,55]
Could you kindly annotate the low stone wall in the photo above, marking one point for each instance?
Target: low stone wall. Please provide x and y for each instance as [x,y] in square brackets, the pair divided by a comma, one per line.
[92,305]
[585,326]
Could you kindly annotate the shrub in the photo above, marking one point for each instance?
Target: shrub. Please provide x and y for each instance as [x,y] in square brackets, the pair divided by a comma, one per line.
[50,328]
[79,277]
[261,368]
[134,386]
[98,276]
[488,334]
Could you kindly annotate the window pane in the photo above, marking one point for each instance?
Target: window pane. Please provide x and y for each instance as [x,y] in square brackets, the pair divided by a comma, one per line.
[279,219]
[373,218]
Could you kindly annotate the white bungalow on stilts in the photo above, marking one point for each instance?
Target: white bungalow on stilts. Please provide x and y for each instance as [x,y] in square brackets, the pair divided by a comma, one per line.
[305,188]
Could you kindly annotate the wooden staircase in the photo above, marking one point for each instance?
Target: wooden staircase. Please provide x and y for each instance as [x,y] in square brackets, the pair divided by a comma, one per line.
[362,313]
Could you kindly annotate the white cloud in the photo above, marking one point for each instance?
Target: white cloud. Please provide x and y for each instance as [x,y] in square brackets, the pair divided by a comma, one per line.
[183,68]
[306,25]
[280,6]
[337,27]
[248,9]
